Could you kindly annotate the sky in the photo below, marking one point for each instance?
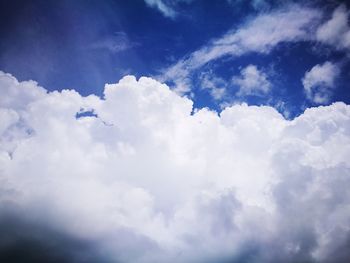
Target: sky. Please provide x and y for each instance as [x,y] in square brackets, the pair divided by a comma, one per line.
[190,131]
[82,45]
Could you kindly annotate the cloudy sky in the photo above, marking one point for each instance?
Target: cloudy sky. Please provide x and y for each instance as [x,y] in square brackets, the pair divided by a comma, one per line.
[163,131]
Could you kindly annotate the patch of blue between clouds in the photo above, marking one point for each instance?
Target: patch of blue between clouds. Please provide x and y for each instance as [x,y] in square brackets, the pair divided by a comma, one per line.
[82,45]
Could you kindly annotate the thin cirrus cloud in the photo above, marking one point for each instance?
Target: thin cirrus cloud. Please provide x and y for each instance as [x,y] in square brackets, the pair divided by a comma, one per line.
[116,43]
[162,7]
[148,179]
[319,82]
[260,35]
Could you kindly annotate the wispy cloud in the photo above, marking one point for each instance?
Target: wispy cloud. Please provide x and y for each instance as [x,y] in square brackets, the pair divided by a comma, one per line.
[164,8]
[260,35]
[114,44]
[215,85]
[252,81]
[336,30]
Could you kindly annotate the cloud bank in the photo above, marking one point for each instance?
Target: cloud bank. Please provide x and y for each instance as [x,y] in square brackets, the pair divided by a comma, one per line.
[139,176]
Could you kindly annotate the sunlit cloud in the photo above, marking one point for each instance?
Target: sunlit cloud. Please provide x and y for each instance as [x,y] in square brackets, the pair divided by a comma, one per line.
[258,35]
[148,179]
[319,82]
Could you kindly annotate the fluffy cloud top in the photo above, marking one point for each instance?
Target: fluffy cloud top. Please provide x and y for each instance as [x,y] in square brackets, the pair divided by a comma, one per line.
[150,180]
[320,81]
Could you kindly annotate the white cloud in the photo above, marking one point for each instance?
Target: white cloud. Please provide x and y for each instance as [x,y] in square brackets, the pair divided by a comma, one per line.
[319,82]
[148,180]
[336,31]
[261,35]
[252,81]
[165,9]
[18,95]
[215,85]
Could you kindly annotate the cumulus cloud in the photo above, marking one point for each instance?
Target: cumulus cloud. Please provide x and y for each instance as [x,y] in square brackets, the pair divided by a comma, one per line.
[252,81]
[319,82]
[148,179]
[260,35]
[336,30]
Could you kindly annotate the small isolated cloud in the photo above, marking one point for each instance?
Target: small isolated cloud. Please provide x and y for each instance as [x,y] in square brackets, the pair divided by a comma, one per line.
[319,82]
[114,44]
[146,179]
[260,35]
[165,9]
[215,85]
[336,31]
[252,81]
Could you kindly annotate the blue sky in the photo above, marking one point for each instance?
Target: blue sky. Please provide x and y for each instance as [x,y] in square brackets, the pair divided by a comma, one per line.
[82,45]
